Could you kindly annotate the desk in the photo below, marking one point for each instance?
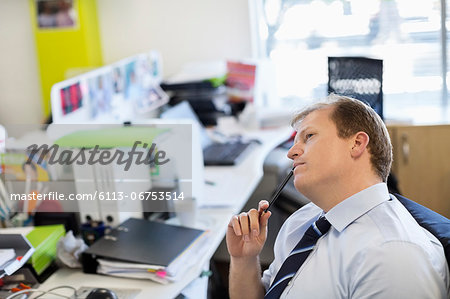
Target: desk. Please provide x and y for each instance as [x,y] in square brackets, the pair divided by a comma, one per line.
[235,184]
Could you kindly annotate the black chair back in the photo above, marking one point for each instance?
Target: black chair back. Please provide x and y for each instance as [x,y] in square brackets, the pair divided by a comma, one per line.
[357,77]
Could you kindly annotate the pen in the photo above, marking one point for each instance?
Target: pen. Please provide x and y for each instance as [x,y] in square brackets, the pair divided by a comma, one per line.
[280,187]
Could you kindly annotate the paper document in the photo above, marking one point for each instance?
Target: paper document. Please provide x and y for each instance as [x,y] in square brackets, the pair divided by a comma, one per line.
[157,273]
[132,270]
[6,255]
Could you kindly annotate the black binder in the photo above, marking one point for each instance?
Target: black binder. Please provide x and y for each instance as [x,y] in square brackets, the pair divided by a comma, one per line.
[141,241]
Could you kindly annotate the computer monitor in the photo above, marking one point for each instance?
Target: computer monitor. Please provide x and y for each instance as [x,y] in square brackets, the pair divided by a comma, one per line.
[123,91]
[184,110]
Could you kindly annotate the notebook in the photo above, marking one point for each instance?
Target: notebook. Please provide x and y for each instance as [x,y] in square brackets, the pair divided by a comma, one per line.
[215,153]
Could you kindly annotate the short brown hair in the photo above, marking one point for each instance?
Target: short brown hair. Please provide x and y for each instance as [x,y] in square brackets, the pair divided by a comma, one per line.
[352,116]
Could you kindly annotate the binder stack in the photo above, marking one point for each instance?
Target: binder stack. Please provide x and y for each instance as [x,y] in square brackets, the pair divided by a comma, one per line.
[145,249]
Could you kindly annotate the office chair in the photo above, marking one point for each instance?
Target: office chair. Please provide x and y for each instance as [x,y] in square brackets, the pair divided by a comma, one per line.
[433,222]
[357,77]
[360,78]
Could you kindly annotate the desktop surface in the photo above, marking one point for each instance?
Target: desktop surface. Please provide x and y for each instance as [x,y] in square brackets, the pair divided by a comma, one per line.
[225,196]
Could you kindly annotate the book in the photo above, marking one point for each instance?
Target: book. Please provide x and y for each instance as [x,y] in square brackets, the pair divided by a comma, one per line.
[141,248]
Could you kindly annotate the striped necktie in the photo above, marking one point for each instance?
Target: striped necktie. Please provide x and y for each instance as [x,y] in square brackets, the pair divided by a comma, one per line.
[297,257]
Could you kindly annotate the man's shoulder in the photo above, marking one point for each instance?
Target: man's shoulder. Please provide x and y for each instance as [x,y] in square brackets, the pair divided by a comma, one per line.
[395,223]
[391,225]
[386,223]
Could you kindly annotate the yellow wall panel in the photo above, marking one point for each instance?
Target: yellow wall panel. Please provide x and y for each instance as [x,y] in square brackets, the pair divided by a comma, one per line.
[62,49]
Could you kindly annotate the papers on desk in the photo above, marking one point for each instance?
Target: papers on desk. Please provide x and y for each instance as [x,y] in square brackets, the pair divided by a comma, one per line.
[15,251]
[132,270]
[149,250]
[173,272]
[217,189]
[6,255]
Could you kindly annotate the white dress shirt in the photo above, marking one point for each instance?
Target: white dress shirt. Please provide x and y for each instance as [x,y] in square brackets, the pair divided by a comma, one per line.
[374,249]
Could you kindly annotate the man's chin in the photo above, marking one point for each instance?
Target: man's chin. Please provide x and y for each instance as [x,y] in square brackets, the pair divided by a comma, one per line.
[303,186]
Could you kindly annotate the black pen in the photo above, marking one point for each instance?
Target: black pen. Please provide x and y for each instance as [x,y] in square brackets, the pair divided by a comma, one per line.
[280,187]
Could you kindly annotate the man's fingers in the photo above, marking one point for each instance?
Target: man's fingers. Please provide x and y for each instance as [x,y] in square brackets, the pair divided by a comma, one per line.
[263,204]
[264,220]
[251,224]
[234,223]
[243,219]
[253,215]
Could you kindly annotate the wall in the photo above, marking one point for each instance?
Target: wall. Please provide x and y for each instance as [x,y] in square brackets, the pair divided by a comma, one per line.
[20,91]
[183,31]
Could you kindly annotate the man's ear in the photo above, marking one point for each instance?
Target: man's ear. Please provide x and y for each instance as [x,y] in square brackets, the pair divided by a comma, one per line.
[359,144]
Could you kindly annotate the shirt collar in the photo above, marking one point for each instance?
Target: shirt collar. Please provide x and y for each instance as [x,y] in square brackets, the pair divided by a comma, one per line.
[350,209]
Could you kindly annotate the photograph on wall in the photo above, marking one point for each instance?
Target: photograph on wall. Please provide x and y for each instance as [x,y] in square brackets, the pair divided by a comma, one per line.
[133,86]
[118,80]
[153,97]
[56,14]
[71,98]
[100,94]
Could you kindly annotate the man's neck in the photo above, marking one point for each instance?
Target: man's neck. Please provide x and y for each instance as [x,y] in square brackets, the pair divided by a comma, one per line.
[329,196]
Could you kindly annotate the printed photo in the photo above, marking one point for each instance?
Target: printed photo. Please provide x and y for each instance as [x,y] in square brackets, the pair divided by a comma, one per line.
[55,14]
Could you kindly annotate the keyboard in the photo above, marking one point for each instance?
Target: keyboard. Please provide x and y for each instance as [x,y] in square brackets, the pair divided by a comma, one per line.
[224,153]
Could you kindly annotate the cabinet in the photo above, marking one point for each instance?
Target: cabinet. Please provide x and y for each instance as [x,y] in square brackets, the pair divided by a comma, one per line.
[422,164]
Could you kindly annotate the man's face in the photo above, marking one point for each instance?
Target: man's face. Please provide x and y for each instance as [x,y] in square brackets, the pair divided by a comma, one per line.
[319,156]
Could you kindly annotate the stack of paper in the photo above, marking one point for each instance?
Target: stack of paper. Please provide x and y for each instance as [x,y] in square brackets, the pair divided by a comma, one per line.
[132,270]
[6,255]
[149,250]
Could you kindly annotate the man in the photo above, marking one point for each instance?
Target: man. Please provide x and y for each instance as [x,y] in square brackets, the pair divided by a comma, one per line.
[366,246]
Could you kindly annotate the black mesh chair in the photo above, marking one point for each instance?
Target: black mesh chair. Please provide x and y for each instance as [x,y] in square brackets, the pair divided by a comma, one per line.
[360,78]
[357,77]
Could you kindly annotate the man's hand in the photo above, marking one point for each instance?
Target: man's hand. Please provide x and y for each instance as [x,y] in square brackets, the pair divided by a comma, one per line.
[247,232]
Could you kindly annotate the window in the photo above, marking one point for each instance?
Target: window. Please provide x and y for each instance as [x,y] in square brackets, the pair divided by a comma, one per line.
[299,35]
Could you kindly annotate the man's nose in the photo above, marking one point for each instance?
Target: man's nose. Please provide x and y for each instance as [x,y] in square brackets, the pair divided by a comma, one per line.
[295,150]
